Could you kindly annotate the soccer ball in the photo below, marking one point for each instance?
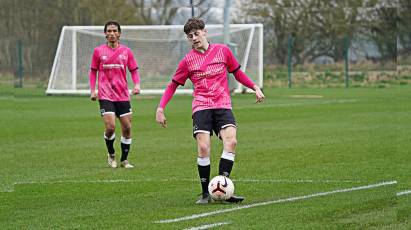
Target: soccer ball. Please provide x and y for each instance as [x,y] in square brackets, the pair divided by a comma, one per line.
[221,188]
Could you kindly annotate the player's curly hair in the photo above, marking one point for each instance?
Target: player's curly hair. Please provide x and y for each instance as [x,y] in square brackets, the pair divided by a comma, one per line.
[193,24]
[112,23]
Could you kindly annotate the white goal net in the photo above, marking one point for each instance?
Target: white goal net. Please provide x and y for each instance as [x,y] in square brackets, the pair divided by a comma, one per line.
[158,49]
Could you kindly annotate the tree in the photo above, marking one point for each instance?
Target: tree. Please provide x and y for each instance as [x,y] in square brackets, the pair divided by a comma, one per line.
[381,30]
[164,12]
[38,26]
[319,27]
[404,29]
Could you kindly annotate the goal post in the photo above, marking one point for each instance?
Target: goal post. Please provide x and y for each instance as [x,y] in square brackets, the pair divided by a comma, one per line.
[158,49]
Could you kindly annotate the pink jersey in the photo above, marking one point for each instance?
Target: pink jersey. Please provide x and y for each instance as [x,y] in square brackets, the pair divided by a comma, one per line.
[208,72]
[111,65]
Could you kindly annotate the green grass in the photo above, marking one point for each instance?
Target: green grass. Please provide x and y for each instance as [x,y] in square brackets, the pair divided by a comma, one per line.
[298,142]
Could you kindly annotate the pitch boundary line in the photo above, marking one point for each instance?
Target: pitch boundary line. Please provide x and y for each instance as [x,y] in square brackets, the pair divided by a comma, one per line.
[283,200]
[297,181]
[291,181]
[402,193]
[207,226]
[186,179]
[324,102]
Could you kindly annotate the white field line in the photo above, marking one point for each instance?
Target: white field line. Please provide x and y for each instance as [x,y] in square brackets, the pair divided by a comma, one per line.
[187,179]
[290,199]
[83,182]
[307,96]
[291,181]
[404,193]
[296,181]
[320,102]
[75,181]
[207,226]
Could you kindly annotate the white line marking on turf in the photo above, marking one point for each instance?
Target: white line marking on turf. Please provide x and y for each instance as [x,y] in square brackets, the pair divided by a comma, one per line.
[207,226]
[296,181]
[325,102]
[307,96]
[292,181]
[290,199]
[186,179]
[73,181]
[404,193]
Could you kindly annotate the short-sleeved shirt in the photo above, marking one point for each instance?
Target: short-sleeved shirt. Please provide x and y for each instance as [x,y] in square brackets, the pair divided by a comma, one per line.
[208,72]
[111,65]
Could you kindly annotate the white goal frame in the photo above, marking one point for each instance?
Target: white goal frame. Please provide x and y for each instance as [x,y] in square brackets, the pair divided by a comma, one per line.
[73,88]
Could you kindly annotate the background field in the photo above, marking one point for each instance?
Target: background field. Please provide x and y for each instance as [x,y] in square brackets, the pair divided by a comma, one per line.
[298,142]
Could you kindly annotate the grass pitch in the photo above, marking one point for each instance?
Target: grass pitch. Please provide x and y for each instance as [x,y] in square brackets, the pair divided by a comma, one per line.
[298,143]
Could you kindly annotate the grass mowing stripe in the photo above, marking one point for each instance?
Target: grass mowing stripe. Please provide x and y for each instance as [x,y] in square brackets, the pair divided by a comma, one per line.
[207,226]
[298,145]
[290,199]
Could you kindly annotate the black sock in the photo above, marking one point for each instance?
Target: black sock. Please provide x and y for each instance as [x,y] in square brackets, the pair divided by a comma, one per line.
[225,167]
[204,173]
[125,148]
[109,144]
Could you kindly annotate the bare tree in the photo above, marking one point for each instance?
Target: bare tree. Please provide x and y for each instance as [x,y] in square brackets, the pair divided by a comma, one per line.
[164,12]
[404,29]
[319,28]
[38,25]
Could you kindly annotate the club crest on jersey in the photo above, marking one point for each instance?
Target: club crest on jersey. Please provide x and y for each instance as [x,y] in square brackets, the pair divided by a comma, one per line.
[122,57]
[103,57]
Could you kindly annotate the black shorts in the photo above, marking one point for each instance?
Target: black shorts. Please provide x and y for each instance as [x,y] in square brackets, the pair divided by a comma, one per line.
[209,120]
[119,108]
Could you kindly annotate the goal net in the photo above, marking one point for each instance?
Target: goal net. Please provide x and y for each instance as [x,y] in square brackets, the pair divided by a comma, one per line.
[158,49]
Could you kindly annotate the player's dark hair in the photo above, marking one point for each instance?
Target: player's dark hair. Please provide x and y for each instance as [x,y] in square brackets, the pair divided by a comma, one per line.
[193,24]
[112,23]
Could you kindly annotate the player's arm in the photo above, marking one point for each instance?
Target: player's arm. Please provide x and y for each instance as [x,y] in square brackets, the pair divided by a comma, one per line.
[234,67]
[133,68]
[92,78]
[135,77]
[95,62]
[168,94]
[179,78]
[241,77]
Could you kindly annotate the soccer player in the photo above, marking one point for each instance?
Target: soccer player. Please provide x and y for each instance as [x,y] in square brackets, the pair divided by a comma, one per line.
[110,60]
[206,65]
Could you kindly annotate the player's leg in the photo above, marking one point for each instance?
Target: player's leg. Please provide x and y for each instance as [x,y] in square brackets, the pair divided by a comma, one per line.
[124,114]
[202,124]
[229,137]
[107,110]
[109,137]
[109,131]
[225,126]
[125,122]
[203,161]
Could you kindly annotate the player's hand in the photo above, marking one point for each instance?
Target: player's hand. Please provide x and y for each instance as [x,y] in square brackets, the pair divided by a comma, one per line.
[93,96]
[161,118]
[258,94]
[136,89]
